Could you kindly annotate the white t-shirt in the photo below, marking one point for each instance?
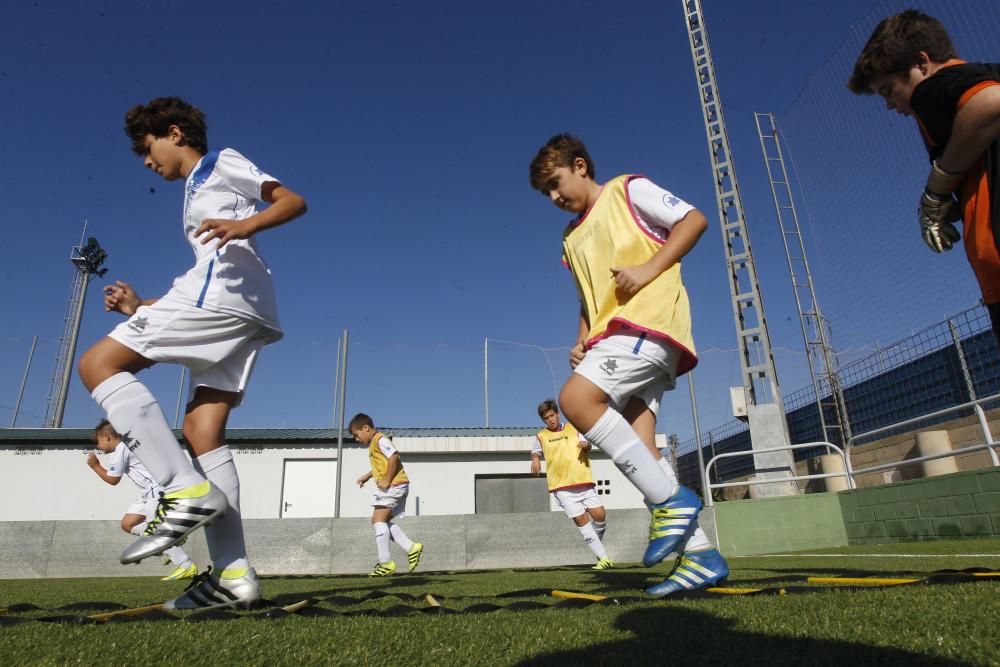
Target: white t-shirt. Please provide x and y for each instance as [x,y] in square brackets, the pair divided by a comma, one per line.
[658,209]
[234,280]
[385,445]
[123,462]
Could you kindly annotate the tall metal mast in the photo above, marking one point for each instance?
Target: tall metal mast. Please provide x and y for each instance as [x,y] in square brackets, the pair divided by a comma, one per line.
[87,260]
[765,410]
[815,328]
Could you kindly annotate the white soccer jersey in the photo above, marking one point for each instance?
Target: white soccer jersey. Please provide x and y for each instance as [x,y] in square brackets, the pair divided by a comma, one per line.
[234,280]
[385,444]
[123,462]
[659,210]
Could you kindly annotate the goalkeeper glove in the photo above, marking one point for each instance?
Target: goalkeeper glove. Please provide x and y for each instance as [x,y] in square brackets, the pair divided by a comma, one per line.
[937,202]
[938,235]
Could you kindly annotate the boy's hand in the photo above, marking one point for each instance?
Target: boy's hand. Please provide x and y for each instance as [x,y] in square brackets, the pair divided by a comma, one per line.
[121,298]
[576,354]
[382,485]
[631,279]
[224,230]
[362,480]
[584,446]
[536,468]
[91,459]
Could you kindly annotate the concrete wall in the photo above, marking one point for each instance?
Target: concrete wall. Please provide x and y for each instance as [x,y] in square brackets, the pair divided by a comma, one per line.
[771,525]
[332,546]
[965,504]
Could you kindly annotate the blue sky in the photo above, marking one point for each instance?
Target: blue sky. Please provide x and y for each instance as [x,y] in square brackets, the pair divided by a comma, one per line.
[408,127]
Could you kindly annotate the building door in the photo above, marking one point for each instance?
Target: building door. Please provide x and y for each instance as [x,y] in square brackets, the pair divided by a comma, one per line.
[308,488]
[499,494]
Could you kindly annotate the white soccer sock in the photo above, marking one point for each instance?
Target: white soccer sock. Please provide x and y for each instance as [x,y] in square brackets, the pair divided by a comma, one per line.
[591,539]
[400,538]
[178,557]
[697,539]
[382,541]
[618,440]
[135,414]
[668,469]
[226,543]
[138,528]
[599,528]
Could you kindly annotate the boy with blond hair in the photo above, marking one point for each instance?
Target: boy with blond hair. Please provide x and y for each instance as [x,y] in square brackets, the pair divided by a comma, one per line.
[624,248]
[567,472]
[392,486]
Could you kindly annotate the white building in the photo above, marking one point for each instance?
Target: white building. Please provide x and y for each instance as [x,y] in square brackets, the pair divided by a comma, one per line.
[293,473]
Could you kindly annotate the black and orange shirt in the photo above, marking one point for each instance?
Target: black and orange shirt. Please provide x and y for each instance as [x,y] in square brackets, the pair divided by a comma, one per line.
[936,102]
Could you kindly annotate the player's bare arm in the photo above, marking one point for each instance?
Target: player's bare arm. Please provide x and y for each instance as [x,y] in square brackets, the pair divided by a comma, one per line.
[683,236]
[121,298]
[285,206]
[536,464]
[578,350]
[364,479]
[96,466]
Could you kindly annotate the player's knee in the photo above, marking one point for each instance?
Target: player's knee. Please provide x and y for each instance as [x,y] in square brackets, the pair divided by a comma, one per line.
[90,368]
[598,514]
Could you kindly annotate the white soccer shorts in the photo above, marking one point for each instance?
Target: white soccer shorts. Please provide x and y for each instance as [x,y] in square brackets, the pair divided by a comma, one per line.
[575,502]
[394,498]
[628,364]
[219,349]
[144,505]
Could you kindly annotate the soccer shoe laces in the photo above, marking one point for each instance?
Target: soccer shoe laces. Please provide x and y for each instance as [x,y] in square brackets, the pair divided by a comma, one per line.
[199,579]
[163,505]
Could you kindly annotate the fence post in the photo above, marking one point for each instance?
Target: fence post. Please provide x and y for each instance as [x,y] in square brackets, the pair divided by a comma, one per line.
[961,360]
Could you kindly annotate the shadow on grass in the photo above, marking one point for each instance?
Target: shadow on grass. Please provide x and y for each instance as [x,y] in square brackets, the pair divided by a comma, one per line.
[684,636]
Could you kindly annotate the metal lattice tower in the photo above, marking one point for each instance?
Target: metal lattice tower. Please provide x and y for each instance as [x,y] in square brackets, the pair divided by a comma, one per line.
[815,328]
[765,411]
[756,359]
[87,260]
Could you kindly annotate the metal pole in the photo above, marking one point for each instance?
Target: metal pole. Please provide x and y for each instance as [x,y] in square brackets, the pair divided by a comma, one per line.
[340,433]
[24,380]
[486,379]
[961,360]
[697,433]
[70,354]
[336,387]
[180,396]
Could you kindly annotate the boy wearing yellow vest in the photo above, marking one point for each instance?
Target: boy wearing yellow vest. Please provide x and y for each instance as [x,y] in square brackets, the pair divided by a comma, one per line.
[567,471]
[624,249]
[391,488]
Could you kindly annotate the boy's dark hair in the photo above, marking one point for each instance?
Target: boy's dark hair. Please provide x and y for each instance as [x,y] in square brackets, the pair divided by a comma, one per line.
[895,47]
[104,426]
[156,118]
[560,151]
[359,420]
[546,405]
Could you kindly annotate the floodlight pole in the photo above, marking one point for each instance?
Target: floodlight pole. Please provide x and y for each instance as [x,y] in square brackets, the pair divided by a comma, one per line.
[486,379]
[88,260]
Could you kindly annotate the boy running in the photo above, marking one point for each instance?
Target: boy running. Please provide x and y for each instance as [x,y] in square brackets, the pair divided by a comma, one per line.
[391,489]
[624,249]
[141,513]
[567,471]
[910,62]
[214,320]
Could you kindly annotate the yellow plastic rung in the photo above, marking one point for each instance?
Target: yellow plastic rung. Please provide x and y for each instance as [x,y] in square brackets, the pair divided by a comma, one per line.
[124,612]
[578,596]
[431,600]
[861,581]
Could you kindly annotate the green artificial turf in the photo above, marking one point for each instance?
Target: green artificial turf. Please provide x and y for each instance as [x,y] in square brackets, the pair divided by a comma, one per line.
[913,625]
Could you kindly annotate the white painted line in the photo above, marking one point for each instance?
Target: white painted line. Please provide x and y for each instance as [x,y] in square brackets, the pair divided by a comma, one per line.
[872,556]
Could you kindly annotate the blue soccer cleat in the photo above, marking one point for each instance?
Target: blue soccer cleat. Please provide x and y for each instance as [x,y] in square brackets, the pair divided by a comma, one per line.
[694,570]
[670,524]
